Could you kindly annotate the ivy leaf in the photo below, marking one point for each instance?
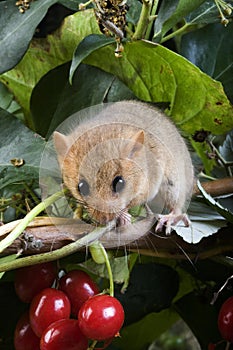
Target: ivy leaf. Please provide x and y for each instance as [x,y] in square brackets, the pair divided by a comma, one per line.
[156,74]
[18,143]
[17,29]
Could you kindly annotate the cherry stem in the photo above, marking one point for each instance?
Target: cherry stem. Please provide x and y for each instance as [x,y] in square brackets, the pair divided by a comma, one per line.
[93,345]
[109,269]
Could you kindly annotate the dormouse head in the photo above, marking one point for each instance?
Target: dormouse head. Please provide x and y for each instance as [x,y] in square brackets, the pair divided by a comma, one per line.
[107,173]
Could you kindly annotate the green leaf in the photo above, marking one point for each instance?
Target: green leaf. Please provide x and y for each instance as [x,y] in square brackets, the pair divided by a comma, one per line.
[11,310]
[226,150]
[17,29]
[139,335]
[156,74]
[71,4]
[166,10]
[205,14]
[204,223]
[201,317]
[8,103]
[18,142]
[202,149]
[46,95]
[46,54]
[7,259]
[170,14]
[6,98]
[86,47]
[133,13]
[215,205]
[215,60]
[152,288]
[120,269]
[54,99]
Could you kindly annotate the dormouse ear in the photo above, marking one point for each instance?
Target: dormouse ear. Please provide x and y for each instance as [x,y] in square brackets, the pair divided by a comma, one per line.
[62,144]
[135,144]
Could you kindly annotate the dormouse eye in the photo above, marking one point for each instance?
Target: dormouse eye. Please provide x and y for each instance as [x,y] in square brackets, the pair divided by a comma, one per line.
[118,184]
[83,188]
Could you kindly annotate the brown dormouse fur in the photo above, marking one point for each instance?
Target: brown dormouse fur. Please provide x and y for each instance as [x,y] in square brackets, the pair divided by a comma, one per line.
[128,154]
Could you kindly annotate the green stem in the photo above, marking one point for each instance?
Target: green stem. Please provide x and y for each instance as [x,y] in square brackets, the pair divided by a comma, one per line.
[224,163]
[32,194]
[205,176]
[6,242]
[152,14]
[92,347]
[19,209]
[83,6]
[129,31]
[109,269]
[59,253]
[143,20]
[177,32]
[8,202]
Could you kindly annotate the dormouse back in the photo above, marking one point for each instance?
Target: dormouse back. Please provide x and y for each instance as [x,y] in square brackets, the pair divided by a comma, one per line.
[140,115]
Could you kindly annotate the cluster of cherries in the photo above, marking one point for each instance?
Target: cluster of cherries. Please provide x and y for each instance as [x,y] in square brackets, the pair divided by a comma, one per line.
[67,317]
[225,323]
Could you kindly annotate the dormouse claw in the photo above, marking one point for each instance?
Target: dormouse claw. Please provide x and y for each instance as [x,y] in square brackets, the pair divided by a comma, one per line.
[170,220]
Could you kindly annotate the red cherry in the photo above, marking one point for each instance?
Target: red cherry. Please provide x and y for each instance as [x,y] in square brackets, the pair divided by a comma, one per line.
[63,335]
[24,337]
[30,280]
[48,306]
[79,287]
[101,317]
[225,320]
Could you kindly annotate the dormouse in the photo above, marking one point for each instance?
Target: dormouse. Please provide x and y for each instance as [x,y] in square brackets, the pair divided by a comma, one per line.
[128,154]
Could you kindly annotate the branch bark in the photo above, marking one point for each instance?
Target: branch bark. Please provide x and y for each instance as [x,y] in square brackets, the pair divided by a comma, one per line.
[49,234]
[46,238]
[216,187]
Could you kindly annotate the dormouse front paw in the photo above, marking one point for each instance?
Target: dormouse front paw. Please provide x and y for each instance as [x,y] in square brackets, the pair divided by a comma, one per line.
[170,220]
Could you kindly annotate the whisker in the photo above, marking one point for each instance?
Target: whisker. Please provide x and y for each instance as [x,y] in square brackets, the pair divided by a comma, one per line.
[148,240]
[185,254]
[123,216]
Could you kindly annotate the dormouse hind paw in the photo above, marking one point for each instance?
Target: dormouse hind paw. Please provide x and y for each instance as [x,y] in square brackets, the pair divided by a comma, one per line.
[170,220]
